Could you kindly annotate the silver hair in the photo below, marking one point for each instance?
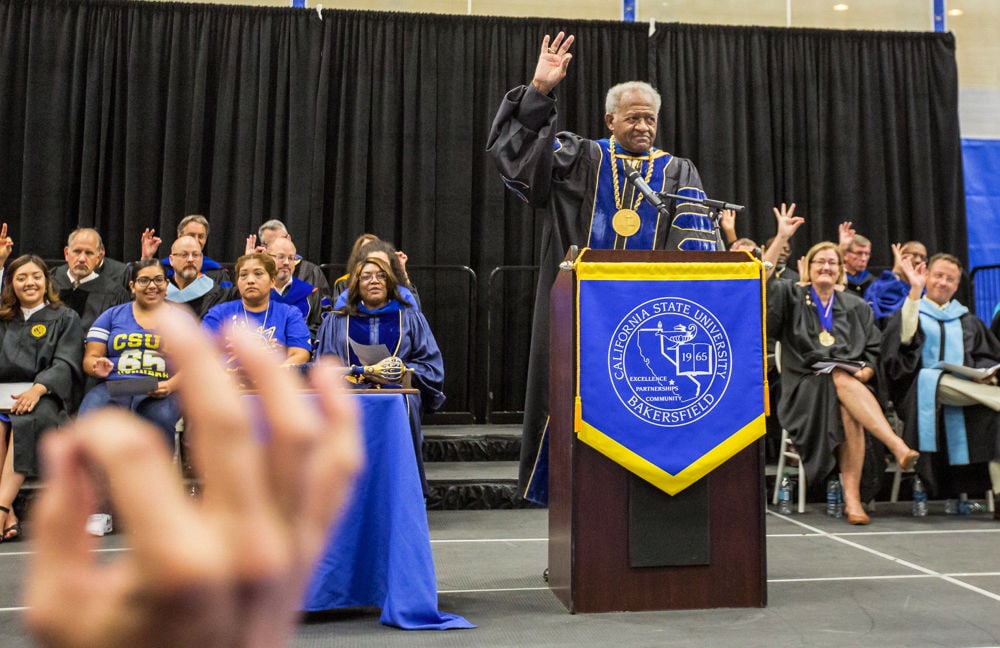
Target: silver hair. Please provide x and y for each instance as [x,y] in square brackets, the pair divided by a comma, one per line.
[615,95]
[193,218]
[81,230]
[273,224]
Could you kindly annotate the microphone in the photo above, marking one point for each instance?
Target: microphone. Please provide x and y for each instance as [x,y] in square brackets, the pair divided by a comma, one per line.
[653,198]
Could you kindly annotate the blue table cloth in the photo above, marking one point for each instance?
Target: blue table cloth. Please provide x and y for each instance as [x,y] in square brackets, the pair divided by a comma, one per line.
[380,554]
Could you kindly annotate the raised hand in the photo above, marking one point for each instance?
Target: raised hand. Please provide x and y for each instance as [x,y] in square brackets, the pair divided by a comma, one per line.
[727,222]
[788,222]
[915,275]
[226,570]
[553,59]
[6,244]
[845,235]
[149,243]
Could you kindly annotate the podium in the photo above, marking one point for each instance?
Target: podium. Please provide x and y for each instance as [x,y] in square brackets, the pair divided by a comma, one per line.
[617,543]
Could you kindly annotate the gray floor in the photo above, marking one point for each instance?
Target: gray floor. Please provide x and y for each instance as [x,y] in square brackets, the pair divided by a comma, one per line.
[902,581]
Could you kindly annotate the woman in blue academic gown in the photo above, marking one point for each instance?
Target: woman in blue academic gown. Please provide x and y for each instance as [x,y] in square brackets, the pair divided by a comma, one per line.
[377,314]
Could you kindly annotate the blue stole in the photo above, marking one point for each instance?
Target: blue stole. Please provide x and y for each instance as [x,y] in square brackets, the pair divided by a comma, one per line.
[194,290]
[373,327]
[934,321]
[602,234]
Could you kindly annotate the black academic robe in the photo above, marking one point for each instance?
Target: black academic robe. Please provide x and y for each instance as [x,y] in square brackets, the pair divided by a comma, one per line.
[559,171]
[115,271]
[995,326]
[46,349]
[901,365]
[809,408]
[89,299]
[859,285]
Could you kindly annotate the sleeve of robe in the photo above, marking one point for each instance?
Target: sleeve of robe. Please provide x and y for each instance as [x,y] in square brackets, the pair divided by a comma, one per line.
[424,357]
[526,148]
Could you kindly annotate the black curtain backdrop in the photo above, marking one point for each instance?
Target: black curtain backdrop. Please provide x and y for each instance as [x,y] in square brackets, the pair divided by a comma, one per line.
[127,115]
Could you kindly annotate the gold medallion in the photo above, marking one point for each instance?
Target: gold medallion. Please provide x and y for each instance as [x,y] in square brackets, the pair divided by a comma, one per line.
[826,339]
[626,222]
[38,330]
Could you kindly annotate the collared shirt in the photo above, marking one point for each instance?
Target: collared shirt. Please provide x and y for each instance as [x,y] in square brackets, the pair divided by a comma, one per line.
[76,282]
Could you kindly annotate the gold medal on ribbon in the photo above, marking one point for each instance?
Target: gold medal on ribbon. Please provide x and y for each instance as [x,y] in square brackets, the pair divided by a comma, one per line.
[826,339]
[626,222]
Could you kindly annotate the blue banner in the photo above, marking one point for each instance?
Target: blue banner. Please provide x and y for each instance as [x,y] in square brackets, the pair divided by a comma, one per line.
[671,365]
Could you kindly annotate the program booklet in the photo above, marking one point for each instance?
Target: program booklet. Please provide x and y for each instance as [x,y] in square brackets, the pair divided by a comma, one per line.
[972,373]
[850,366]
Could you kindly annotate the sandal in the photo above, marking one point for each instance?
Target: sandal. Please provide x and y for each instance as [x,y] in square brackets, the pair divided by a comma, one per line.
[16,528]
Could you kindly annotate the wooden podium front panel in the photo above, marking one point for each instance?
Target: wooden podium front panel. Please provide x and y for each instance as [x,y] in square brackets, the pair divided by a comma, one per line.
[589,568]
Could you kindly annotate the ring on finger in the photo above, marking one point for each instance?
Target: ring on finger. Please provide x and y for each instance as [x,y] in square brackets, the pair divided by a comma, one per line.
[550,50]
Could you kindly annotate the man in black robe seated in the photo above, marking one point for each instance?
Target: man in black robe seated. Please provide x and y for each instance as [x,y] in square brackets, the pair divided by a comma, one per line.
[582,184]
[80,286]
[189,285]
[954,418]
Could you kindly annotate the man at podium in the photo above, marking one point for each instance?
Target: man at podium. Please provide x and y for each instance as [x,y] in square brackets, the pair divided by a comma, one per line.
[584,186]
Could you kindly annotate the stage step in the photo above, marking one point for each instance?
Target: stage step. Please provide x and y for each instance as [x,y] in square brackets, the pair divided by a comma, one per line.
[472,467]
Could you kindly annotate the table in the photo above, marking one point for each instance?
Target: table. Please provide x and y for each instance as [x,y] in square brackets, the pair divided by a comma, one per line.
[380,553]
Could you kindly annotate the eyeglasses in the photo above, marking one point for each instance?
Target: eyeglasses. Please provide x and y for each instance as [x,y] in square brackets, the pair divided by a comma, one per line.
[368,277]
[158,281]
[833,263]
[860,253]
[281,258]
[186,255]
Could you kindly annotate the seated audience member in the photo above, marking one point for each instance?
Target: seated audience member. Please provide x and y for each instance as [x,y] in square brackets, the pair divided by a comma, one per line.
[227,570]
[276,325]
[194,225]
[887,294]
[113,270]
[952,418]
[289,289]
[857,252]
[40,348]
[781,268]
[397,262]
[123,345]
[80,286]
[188,285]
[995,324]
[304,269]
[375,314]
[826,413]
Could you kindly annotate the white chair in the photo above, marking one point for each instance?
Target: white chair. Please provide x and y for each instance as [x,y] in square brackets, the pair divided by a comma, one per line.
[786,451]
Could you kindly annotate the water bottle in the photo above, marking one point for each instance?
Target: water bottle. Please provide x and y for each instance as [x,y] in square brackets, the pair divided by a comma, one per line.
[963,504]
[785,495]
[834,498]
[951,506]
[919,498]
